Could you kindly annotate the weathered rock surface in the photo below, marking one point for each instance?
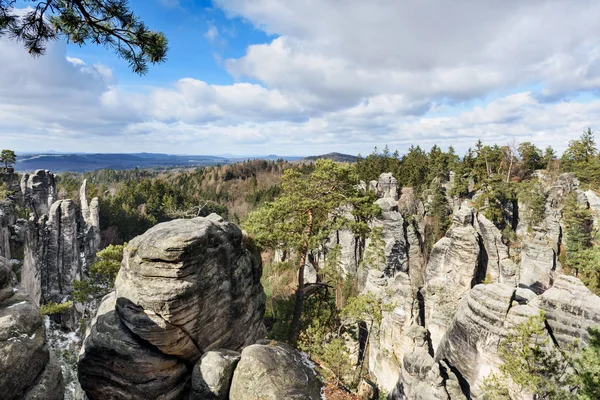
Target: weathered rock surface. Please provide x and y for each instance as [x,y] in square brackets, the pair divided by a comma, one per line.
[52,260]
[8,219]
[570,309]
[273,371]
[454,266]
[499,266]
[90,225]
[211,378]
[26,370]
[185,287]
[424,378]
[188,286]
[471,342]
[39,191]
[116,364]
[60,245]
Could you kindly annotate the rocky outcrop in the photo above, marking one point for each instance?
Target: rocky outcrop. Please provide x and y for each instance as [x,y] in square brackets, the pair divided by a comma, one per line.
[273,371]
[52,259]
[212,375]
[90,225]
[116,364]
[471,342]
[423,377]
[499,266]
[60,244]
[26,368]
[185,287]
[570,309]
[39,191]
[8,219]
[455,265]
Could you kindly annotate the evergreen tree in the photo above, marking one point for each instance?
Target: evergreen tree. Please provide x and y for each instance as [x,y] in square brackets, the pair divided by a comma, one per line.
[301,218]
[109,23]
[8,157]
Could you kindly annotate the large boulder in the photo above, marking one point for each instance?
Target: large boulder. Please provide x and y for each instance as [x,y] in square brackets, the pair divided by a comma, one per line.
[189,286]
[26,369]
[212,375]
[185,287]
[116,364]
[273,371]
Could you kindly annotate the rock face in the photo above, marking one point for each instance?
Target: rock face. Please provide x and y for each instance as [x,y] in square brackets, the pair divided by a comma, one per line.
[26,369]
[39,191]
[454,266]
[116,364]
[52,254]
[90,223]
[423,377]
[470,344]
[441,340]
[8,219]
[273,371]
[185,287]
[60,244]
[570,308]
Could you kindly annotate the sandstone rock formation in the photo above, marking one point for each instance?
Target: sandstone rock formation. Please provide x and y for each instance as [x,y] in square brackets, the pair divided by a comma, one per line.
[26,368]
[39,191]
[211,378]
[8,219]
[273,371]
[116,364]
[60,244]
[455,265]
[186,287]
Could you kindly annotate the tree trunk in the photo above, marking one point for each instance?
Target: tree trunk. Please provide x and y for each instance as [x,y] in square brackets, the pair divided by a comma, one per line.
[295,326]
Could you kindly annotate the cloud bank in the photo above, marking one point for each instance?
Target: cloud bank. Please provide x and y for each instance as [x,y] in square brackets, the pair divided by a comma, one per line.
[331,78]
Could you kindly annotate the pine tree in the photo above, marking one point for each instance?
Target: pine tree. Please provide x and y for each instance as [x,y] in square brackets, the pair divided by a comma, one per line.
[109,23]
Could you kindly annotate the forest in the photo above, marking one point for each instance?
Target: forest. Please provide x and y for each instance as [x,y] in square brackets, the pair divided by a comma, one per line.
[290,209]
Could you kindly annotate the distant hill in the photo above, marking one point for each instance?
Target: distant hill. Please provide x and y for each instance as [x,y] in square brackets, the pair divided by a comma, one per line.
[339,157]
[82,162]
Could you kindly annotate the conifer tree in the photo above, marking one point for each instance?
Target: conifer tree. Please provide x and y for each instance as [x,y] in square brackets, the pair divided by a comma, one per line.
[109,23]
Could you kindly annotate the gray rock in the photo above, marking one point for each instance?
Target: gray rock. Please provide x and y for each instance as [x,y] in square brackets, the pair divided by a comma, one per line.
[116,364]
[90,226]
[273,371]
[49,385]
[387,186]
[39,191]
[8,218]
[189,286]
[212,375]
[538,265]
[454,267]
[570,308]
[25,371]
[471,342]
[499,268]
[423,377]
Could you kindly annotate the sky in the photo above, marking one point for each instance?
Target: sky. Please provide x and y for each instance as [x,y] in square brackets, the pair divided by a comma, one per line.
[306,77]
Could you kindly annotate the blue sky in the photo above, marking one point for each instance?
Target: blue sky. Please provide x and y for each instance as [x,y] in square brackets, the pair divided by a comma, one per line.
[305,77]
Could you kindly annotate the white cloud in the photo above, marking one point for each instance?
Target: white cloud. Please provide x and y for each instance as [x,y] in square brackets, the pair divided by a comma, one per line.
[335,78]
[212,33]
